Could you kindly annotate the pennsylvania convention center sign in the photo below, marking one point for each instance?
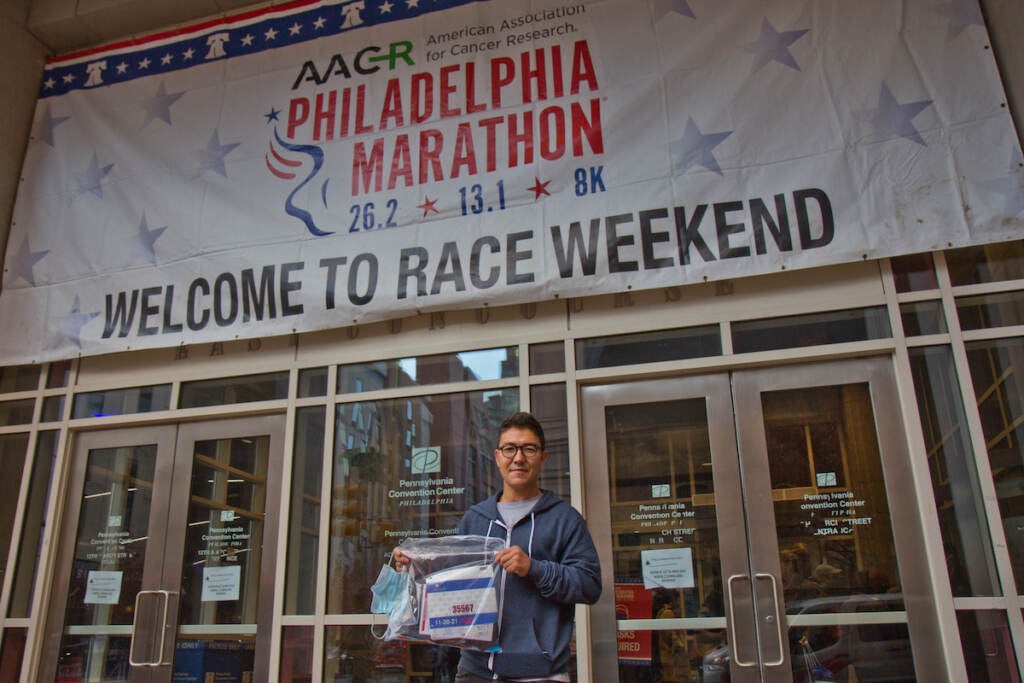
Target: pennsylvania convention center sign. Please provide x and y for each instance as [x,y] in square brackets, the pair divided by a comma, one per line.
[325,163]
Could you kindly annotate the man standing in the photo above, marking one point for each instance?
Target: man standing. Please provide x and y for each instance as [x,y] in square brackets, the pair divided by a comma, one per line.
[549,560]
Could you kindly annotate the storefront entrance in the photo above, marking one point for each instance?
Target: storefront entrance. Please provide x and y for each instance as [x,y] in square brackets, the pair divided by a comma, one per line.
[761,526]
[167,554]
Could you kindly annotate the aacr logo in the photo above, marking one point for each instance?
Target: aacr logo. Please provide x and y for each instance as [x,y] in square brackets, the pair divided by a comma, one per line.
[366,61]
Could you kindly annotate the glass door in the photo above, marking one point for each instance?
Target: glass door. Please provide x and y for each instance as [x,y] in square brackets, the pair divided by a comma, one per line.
[167,559]
[760,526]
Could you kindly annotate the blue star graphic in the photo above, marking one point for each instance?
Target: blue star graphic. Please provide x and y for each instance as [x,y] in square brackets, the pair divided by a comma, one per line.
[272,116]
[92,179]
[159,107]
[962,13]
[892,119]
[663,7]
[772,46]
[72,323]
[24,260]
[211,158]
[48,122]
[146,246]
[1010,186]
[695,148]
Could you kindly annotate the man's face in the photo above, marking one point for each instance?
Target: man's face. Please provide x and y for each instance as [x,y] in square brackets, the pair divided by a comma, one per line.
[520,471]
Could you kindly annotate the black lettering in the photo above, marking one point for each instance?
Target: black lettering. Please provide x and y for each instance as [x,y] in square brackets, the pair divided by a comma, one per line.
[648,238]
[828,223]
[761,216]
[587,250]
[194,323]
[474,263]
[220,301]
[147,311]
[371,279]
[513,257]
[614,241]
[725,229]
[122,315]
[308,73]
[332,265]
[406,271]
[336,66]
[449,269]
[689,233]
[253,301]
[360,67]
[288,286]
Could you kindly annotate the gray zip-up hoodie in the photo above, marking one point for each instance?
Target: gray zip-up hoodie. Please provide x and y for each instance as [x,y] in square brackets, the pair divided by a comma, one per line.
[535,626]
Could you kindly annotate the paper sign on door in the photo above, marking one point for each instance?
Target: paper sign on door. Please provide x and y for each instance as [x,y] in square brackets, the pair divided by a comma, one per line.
[103,588]
[221,583]
[668,568]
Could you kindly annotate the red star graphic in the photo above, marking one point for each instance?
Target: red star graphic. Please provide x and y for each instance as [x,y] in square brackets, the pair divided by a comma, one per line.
[428,205]
[539,188]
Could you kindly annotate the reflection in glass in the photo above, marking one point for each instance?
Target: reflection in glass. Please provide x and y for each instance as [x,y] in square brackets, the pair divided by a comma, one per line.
[58,374]
[121,401]
[213,660]
[466,366]
[53,409]
[16,412]
[297,655]
[352,653]
[224,542]
[648,347]
[673,656]
[831,509]
[19,378]
[812,329]
[12,653]
[965,535]
[304,517]
[312,382]
[662,496]
[109,557]
[923,317]
[990,310]
[547,358]
[997,372]
[232,390]
[914,273]
[33,525]
[548,403]
[405,467]
[13,449]
[987,647]
[986,263]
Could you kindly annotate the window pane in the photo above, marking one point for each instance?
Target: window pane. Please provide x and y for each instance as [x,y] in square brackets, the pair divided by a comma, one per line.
[986,263]
[12,654]
[33,525]
[19,378]
[122,401]
[923,317]
[648,347]
[53,409]
[548,404]
[231,390]
[304,517]
[996,372]
[988,649]
[13,449]
[547,358]
[467,366]
[352,653]
[794,331]
[297,655]
[914,273]
[405,467]
[58,374]
[16,412]
[312,382]
[965,534]
[990,310]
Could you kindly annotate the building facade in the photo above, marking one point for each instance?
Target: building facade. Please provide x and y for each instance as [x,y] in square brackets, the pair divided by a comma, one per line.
[802,475]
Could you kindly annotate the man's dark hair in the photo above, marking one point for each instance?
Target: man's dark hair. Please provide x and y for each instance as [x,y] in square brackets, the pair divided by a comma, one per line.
[522,420]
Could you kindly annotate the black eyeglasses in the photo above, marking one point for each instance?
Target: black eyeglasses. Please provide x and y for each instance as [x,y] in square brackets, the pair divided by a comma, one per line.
[530,450]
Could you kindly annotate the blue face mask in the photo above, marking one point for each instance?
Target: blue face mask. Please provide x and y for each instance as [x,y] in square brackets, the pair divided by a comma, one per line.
[391,596]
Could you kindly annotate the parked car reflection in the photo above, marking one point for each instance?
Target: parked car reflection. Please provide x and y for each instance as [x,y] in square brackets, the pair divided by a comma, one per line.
[865,653]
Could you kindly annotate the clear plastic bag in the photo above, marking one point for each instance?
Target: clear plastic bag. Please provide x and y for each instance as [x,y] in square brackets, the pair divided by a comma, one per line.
[452,595]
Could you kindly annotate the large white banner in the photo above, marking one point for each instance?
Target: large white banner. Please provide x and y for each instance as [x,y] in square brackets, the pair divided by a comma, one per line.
[324,163]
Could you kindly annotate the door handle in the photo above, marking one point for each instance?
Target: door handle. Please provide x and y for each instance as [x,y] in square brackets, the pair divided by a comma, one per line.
[778,621]
[732,621]
[164,598]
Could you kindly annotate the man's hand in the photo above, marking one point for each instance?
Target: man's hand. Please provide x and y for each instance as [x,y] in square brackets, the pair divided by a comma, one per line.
[513,560]
[401,561]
